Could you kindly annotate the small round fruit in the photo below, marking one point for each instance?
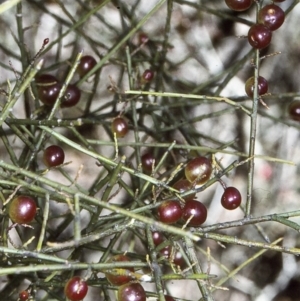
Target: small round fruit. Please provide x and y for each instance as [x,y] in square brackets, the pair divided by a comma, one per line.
[157,237]
[147,76]
[23,296]
[271,16]
[71,97]
[143,38]
[131,292]
[294,110]
[262,87]
[169,212]
[239,5]
[48,88]
[148,162]
[259,36]
[169,298]
[231,198]
[184,185]
[76,289]
[22,209]
[198,170]
[194,212]
[120,127]
[113,277]
[87,63]
[53,156]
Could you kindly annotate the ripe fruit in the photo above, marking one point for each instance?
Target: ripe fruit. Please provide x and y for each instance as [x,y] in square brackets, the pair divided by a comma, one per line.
[198,170]
[87,63]
[147,76]
[131,292]
[195,209]
[169,298]
[53,156]
[22,209]
[71,97]
[271,16]
[120,127]
[147,161]
[294,110]
[143,38]
[48,88]
[184,185]
[23,296]
[231,198]
[119,276]
[239,5]
[259,36]
[76,289]
[262,87]
[157,237]
[169,212]
[175,257]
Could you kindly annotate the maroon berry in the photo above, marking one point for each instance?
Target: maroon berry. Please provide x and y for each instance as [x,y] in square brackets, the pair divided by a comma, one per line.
[147,161]
[239,5]
[194,212]
[71,97]
[131,292]
[259,36]
[147,76]
[184,185]
[143,38]
[53,156]
[87,63]
[22,209]
[271,16]
[198,170]
[262,87]
[120,127]
[169,212]
[231,198]
[48,88]
[76,289]
[157,237]
[294,110]
[23,296]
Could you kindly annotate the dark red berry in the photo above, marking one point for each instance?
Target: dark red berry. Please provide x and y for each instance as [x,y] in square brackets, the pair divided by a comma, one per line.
[46,41]
[76,289]
[71,97]
[53,156]
[147,76]
[175,257]
[87,63]
[231,198]
[239,5]
[271,16]
[157,237]
[294,110]
[121,275]
[169,212]
[143,38]
[262,87]
[169,298]
[22,209]
[48,88]
[259,36]
[120,127]
[147,161]
[131,292]
[23,296]
[184,185]
[194,212]
[198,170]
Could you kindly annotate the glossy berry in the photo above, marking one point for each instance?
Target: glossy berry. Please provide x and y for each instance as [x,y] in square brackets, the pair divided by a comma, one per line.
[169,298]
[147,76]
[71,97]
[76,289]
[294,110]
[22,209]
[157,237]
[147,161]
[87,63]
[169,212]
[48,88]
[23,296]
[259,36]
[120,127]
[271,16]
[182,186]
[231,198]
[262,87]
[53,156]
[131,292]
[119,276]
[239,5]
[195,209]
[175,257]
[198,170]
